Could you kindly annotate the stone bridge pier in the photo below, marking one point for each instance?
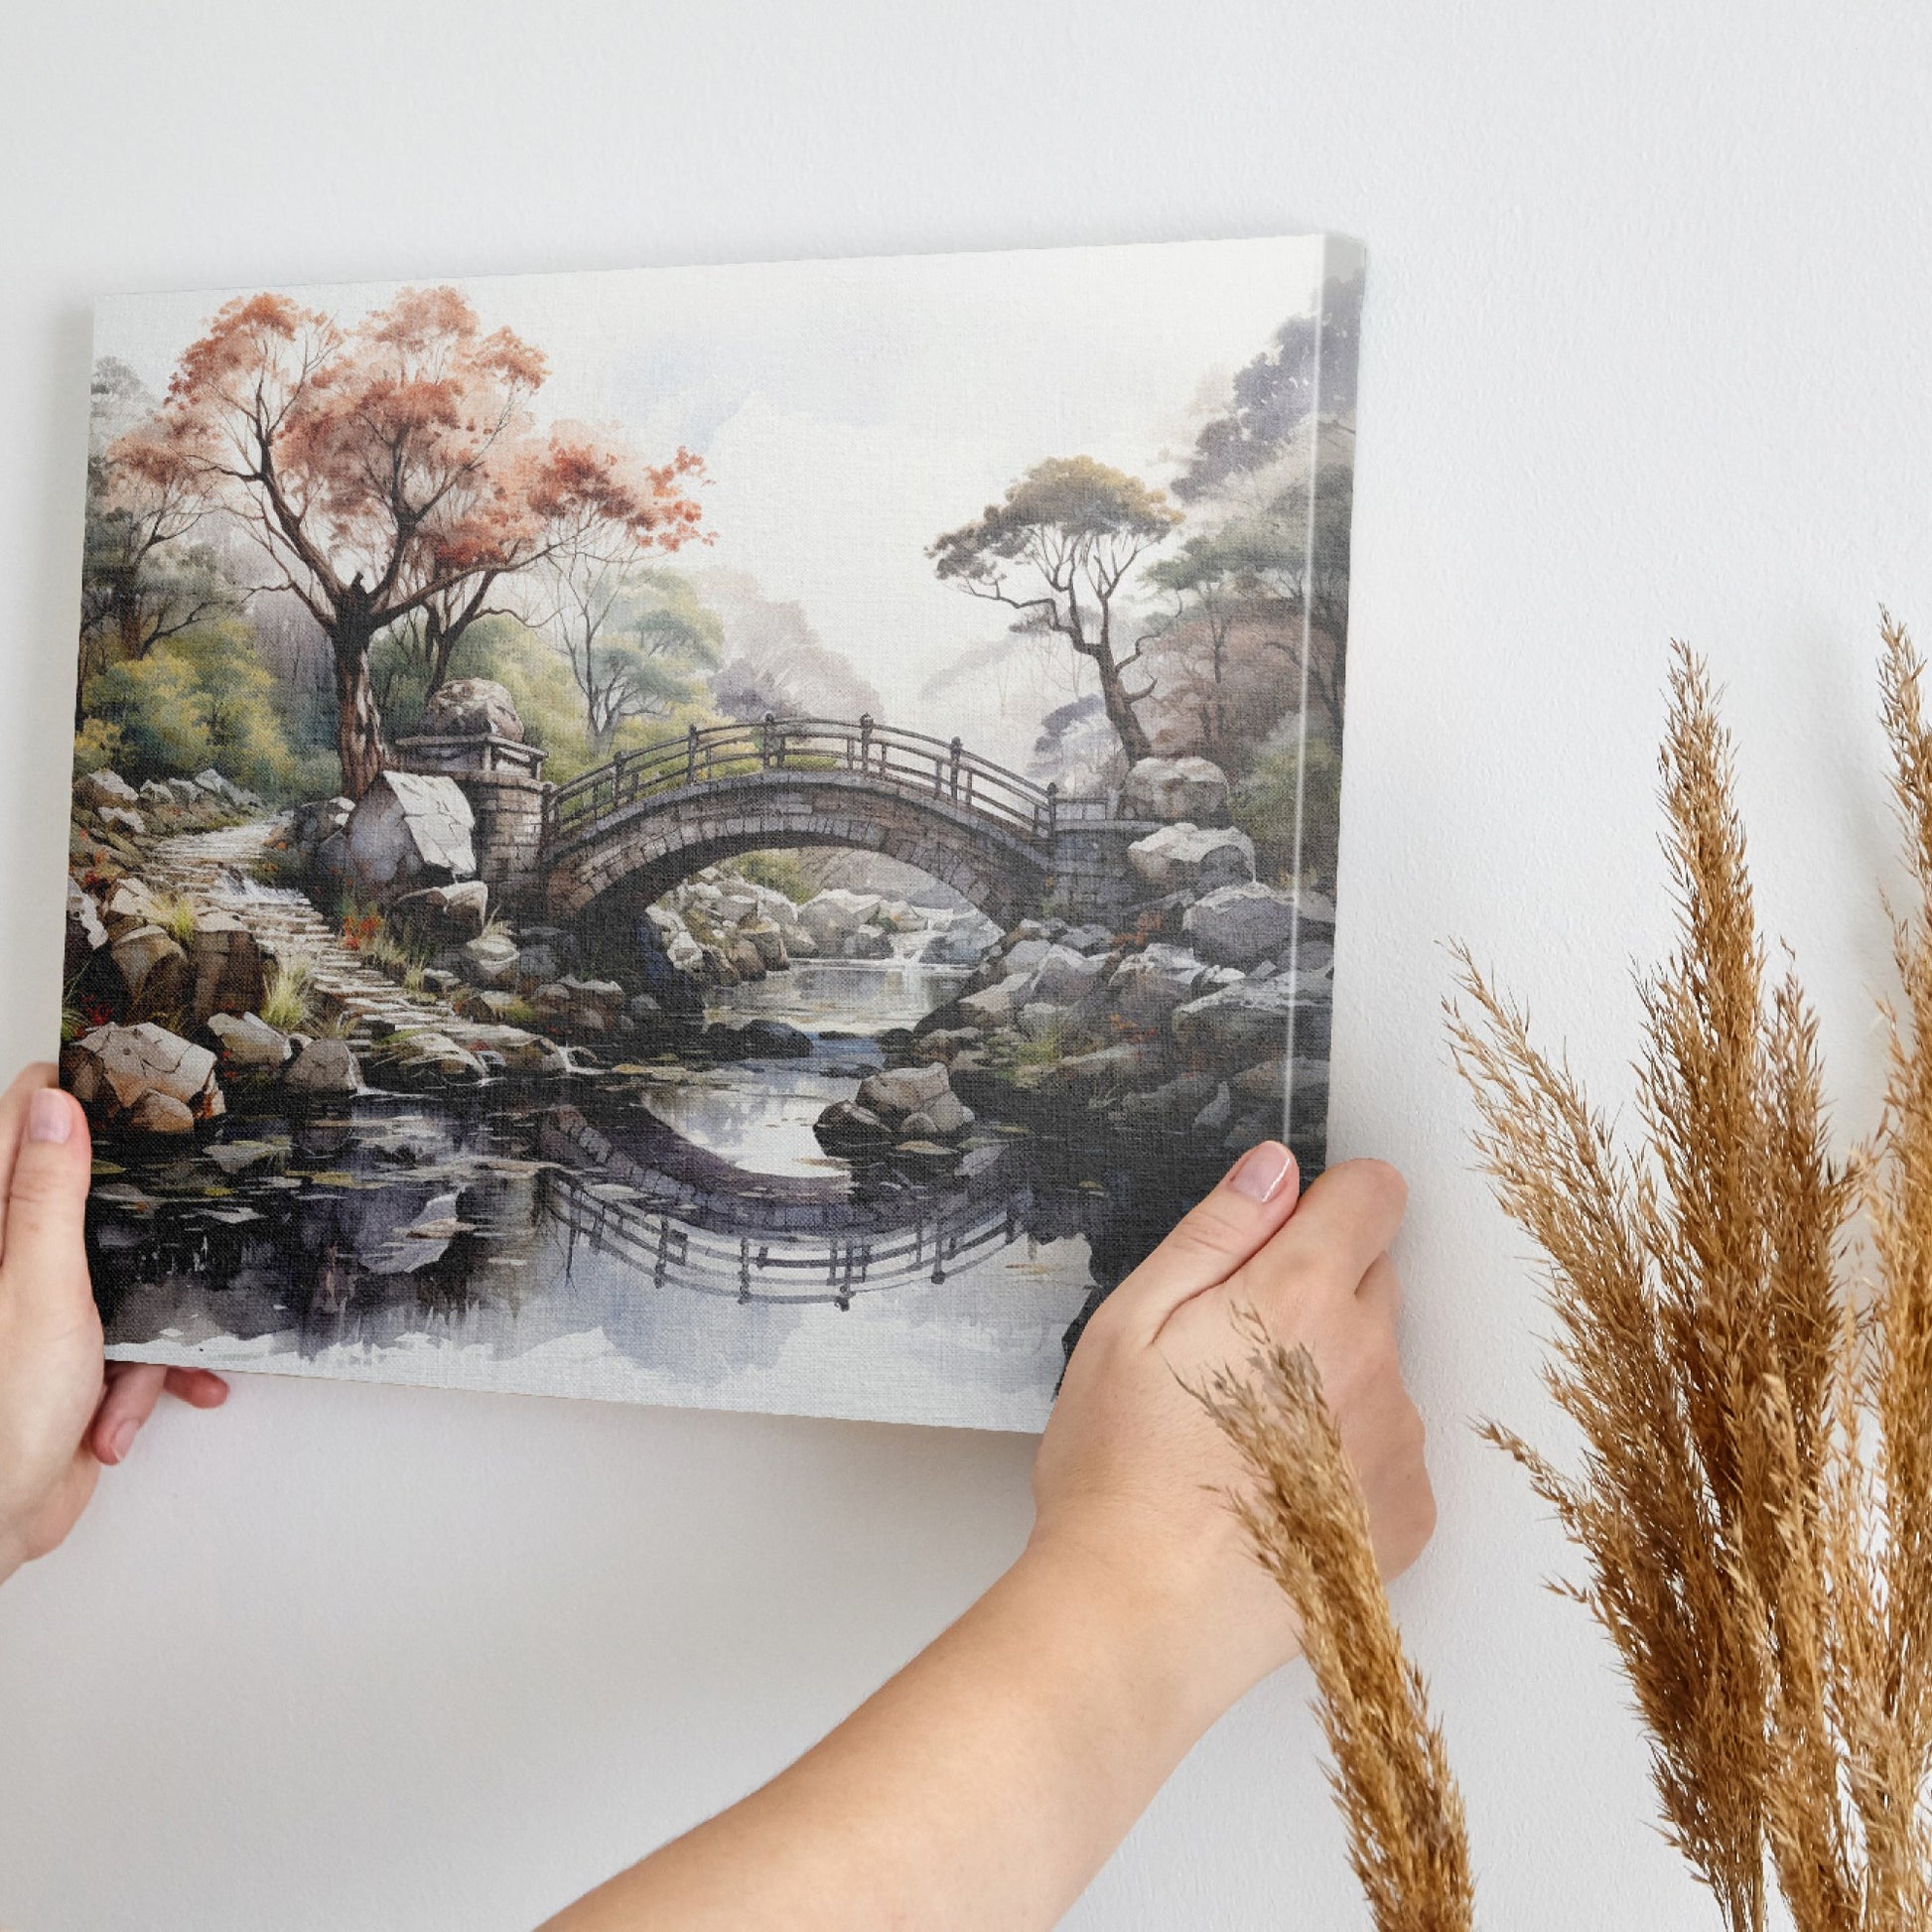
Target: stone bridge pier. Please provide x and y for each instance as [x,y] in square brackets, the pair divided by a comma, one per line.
[502,779]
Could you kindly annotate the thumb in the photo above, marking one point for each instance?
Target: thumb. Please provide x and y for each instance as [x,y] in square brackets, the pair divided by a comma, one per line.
[43,1243]
[1236,1220]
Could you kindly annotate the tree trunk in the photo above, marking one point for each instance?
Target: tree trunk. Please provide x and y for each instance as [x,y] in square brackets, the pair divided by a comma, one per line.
[1133,740]
[359,724]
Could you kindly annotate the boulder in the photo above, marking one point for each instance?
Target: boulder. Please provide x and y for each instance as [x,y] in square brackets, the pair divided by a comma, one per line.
[154,970]
[160,1113]
[227,967]
[128,904]
[470,706]
[85,934]
[829,915]
[1065,976]
[1238,1026]
[747,961]
[1193,858]
[317,819]
[247,1043]
[430,1059]
[409,831]
[997,1006]
[1087,938]
[114,1068]
[444,915]
[324,1069]
[773,1040]
[490,961]
[905,1091]
[223,792]
[125,820]
[847,1128]
[1037,1018]
[104,787]
[1191,790]
[158,795]
[1148,986]
[961,942]
[769,941]
[867,942]
[1240,925]
[799,944]
[331,856]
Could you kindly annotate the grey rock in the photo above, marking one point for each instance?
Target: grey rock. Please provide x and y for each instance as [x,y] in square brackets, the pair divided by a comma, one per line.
[1193,857]
[1176,791]
[472,707]
[325,1068]
[1146,987]
[110,1069]
[247,1043]
[125,820]
[154,970]
[85,934]
[1237,1025]
[845,1127]
[409,831]
[905,1091]
[1240,925]
[227,967]
[445,915]
[1064,975]
[104,787]
[867,942]
[492,962]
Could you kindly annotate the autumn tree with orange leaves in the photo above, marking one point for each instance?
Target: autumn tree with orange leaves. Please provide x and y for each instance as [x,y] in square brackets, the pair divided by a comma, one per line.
[392,470]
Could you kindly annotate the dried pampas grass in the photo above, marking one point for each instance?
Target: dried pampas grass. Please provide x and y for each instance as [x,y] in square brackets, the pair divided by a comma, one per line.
[1755,1496]
[1308,1524]
[1743,1338]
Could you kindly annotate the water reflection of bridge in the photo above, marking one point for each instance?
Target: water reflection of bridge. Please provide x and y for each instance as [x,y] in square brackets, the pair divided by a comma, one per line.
[778,1244]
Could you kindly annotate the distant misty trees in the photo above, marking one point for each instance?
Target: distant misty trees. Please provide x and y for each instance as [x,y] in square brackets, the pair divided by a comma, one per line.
[1207,612]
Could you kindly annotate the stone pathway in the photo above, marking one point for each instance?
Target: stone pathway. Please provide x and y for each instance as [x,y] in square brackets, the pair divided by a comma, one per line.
[215,869]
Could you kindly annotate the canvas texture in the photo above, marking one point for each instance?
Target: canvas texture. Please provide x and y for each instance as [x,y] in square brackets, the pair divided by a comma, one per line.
[745,837]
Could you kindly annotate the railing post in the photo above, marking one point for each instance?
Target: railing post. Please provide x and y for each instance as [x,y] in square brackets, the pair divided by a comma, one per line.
[865,741]
[957,751]
[1052,808]
[690,755]
[765,742]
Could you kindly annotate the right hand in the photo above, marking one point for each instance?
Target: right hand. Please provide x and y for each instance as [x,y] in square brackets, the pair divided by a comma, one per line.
[1132,1473]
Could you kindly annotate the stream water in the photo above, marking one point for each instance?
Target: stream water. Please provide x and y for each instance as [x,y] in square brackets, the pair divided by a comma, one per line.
[667,1231]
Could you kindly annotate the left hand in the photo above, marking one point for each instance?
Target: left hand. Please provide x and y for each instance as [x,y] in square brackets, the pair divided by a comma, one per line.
[64,1412]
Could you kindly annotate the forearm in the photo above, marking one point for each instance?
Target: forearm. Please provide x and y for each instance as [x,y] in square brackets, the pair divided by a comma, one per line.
[984,1785]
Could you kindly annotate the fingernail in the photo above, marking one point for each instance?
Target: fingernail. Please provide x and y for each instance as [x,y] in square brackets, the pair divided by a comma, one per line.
[1260,1172]
[50,1116]
[122,1439]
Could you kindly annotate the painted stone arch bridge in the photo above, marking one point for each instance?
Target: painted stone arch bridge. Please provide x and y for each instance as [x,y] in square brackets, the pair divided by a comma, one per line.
[629,830]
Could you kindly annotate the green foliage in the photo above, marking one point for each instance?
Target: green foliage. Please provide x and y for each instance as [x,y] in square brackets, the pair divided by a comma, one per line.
[175,913]
[782,872]
[96,746]
[1061,515]
[203,698]
[286,1005]
[1267,799]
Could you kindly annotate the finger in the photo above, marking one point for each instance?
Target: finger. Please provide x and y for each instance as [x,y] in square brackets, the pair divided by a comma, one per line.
[1346,1218]
[45,1256]
[12,1127]
[1244,1210]
[200,1388]
[133,1388]
[1380,1293]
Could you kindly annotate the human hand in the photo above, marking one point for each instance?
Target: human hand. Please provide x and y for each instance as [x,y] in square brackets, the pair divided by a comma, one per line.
[1131,1473]
[63,1410]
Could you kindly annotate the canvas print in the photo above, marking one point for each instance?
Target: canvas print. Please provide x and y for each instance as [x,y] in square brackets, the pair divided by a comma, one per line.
[736,836]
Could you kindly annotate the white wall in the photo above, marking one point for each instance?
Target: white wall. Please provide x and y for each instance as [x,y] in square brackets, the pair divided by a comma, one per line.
[1644,357]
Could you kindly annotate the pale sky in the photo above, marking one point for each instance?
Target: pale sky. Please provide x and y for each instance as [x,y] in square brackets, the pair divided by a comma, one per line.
[849,411]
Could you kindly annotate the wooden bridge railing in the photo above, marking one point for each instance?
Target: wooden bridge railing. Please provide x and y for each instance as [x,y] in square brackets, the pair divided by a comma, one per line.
[890,759]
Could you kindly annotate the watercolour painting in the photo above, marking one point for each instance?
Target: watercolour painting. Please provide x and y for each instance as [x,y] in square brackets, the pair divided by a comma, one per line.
[734,836]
